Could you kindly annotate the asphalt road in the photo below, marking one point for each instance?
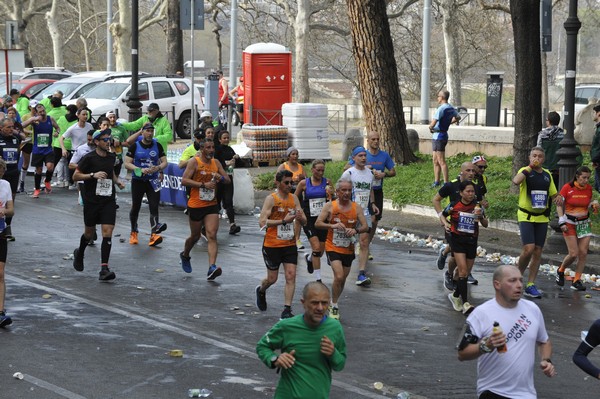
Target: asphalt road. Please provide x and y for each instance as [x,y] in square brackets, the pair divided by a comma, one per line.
[74,337]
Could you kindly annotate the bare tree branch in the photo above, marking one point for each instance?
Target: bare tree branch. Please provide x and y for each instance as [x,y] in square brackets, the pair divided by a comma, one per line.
[494,6]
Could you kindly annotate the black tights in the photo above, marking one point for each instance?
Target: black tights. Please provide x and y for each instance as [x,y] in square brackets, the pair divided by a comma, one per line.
[138,189]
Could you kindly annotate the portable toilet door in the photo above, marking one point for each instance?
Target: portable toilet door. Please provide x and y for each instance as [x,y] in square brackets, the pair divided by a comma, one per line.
[267,82]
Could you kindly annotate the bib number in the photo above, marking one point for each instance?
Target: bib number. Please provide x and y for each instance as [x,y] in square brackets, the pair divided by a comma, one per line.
[206,194]
[10,155]
[285,232]
[156,184]
[316,205]
[43,140]
[362,198]
[377,183]
[340,239]
[539,199]
[466,223]
[104,187]
[583,228]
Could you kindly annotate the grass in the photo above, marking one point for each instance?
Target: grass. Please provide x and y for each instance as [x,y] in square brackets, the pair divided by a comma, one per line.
[411,185]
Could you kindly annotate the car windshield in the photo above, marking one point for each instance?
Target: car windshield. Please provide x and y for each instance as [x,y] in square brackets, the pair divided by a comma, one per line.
[65,87]
[107,91]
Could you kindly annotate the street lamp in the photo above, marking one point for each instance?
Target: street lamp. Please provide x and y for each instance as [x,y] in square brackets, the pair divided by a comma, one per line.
[134,104]
[569,151]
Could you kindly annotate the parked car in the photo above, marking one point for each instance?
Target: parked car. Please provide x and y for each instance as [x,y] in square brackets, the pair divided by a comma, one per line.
[78,84]
[583,92]
[46,73]
[30,87]
[170,92]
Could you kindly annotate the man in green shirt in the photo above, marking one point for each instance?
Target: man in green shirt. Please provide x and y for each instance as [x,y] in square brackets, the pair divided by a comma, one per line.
[311,345]
[162,127]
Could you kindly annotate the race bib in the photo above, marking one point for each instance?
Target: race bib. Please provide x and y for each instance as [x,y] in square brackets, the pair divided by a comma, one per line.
[466,223]
[10,155]
[104,187]
[43,140]
[362,198]
[206,194]
[156,184]
[583,228]
[316,205]
[539,199]
[377,183]
[340,239]
[286,232]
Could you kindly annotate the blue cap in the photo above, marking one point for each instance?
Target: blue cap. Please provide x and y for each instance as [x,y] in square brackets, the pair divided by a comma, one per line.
[357,150]
[148,126]
[99,133]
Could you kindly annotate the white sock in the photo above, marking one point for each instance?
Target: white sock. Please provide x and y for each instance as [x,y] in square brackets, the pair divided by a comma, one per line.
[309,257]
[317,274]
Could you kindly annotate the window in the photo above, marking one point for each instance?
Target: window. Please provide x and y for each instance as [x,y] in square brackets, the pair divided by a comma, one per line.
[162,90]
[182,87]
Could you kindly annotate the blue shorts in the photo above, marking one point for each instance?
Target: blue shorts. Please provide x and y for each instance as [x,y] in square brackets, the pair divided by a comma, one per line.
[439,145]
[533,233]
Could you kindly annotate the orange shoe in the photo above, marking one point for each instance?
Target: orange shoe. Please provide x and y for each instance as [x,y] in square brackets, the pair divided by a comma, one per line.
[48,187]
[155,239]
[36,193]
[133,238]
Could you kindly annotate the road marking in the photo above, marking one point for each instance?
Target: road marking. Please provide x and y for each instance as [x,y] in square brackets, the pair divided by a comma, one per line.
[51,387]
[164,326]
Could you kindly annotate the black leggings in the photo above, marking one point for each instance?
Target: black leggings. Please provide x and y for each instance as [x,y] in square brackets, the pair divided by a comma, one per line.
[138,189]
[225,199]
[491,395]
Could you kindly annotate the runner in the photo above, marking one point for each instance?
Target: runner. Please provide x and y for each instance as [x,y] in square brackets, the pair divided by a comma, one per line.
[10,142]
[574,221]
[6,210]
[362,193]
[298,175]
[146,160]
[202,174]
[229,160]
[96,170]
[315,191]
[342,219]
[465,216]
[279,210]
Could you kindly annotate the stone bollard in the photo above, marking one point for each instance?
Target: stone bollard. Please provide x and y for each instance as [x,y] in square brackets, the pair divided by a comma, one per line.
[352,139]
[413,139]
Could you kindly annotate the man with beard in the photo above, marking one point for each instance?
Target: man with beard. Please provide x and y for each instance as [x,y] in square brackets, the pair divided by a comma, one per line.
[162,127]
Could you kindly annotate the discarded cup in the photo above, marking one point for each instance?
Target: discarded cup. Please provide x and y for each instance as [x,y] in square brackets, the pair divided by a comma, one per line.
[199,393]
[176,353]
[403,395]
[18,375]
[378,385]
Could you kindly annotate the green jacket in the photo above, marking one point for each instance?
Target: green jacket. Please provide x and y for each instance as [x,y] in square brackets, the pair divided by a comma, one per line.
[118,132]
[64,123]
[22,105]
[162,128]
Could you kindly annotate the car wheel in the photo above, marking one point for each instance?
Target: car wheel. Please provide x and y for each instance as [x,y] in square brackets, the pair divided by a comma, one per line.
[184,125]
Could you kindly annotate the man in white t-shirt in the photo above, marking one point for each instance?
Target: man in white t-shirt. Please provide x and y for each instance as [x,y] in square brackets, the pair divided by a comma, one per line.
[362,193]
[506,354]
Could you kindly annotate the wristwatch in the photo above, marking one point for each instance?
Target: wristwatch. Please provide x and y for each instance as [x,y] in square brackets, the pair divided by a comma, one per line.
[202,185]
[483,348]
[273,360]
[92,175]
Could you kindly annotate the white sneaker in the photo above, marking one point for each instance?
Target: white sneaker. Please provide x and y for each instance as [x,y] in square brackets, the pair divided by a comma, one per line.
[56,184]
[457,303]
[71,187]
[467,308]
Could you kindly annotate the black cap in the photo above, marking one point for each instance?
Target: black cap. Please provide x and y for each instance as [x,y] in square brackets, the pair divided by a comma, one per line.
[153,107]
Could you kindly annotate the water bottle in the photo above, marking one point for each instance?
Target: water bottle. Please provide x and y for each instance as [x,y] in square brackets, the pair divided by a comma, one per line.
[403,395]
[199,393]
[495,329]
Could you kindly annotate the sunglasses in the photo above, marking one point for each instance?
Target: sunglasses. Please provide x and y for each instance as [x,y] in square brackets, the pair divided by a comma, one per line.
[286,182]
[106,139]
[482,167]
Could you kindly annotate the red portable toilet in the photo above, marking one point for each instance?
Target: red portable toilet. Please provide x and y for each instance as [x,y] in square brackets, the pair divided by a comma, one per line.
[267,82]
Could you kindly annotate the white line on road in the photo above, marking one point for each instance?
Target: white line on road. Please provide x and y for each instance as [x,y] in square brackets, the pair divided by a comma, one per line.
[51,387]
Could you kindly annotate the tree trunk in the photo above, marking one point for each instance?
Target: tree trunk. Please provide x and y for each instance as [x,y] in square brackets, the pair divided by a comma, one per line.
[174,38]
[450,29]
[217,31]
[121,32]
[377,76]
[525,16]
[301,31]
[545,97]
[55,35]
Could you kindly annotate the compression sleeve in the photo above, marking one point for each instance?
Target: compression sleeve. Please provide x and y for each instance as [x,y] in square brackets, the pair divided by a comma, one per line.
[580,356]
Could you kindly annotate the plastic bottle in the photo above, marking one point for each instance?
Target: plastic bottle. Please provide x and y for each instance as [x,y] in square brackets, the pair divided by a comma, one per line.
[496,329]
[403,395]
[199,393]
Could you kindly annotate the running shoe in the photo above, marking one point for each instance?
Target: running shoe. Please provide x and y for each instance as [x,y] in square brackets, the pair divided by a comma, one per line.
[448,281]
[36,193]
[370,257]
[133,238]
[309,265]
[532,292]
[234,229]
[21,188]
[106,275]
[287,313]
[334,313]
[441,260]
[363,280]
[77,260]
[577,286]
[436,184]
[261,299]
[467,308]
[57,184]
[155,239]
[299,244]
[48,187]
[472,280]
[5,320]
[560,278]
[73,187]
[185,263]
[214,271]
[8,233]
[159,228]
[457,303]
